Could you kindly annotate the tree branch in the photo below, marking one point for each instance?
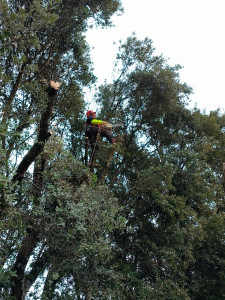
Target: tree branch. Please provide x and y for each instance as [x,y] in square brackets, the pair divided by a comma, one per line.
[13,92]
[37,269]
[28,244]
[43,136]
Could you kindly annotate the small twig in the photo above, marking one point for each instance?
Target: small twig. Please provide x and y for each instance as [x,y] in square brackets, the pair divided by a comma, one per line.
[38,187]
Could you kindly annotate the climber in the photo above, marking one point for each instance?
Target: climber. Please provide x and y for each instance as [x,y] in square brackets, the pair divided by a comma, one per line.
[94,126]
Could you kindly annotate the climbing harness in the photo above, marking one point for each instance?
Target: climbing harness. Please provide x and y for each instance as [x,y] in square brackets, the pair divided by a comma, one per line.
[92,141]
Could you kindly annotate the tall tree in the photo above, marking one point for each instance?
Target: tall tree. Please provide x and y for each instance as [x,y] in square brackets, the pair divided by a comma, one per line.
[43,42]
[149,221]
[168,177]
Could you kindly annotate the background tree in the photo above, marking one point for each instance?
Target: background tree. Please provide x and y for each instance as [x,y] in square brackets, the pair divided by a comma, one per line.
[168,177]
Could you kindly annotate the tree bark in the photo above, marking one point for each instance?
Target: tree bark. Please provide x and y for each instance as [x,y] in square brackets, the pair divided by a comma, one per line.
[18,284]
[43,136]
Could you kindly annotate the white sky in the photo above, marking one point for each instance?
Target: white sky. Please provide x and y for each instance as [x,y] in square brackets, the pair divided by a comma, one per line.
[187,32]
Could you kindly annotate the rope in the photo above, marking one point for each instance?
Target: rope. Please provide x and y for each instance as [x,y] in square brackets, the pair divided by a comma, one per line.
[93,151]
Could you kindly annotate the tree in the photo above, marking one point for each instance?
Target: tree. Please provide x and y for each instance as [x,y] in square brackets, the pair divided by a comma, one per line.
[43,41]
[169,180]
[148,223]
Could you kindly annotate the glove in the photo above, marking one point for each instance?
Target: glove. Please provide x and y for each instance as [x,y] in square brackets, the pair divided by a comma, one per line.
[55,85]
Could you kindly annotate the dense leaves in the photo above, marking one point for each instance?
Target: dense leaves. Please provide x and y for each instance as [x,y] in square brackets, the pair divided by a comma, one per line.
[148,223]
[168,179]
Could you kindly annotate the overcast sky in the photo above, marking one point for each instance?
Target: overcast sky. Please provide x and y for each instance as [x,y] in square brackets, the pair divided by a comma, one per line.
[187,32]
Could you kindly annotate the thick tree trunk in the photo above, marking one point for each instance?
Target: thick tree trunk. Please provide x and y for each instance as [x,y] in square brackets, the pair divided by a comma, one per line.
[17,281]
[18,284]
[43,136]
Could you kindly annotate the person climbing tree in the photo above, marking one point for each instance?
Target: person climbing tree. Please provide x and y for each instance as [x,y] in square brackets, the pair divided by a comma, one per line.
[95,127]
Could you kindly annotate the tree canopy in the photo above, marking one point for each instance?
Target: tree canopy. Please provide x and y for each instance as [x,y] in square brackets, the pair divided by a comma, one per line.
[148,223]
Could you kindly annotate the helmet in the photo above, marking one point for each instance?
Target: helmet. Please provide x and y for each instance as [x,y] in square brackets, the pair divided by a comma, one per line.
[90,113]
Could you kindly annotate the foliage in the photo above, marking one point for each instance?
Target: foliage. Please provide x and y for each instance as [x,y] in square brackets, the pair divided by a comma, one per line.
[168,179]
[148,223]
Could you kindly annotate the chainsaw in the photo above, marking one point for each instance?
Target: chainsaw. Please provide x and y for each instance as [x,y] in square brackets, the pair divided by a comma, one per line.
[110,126]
